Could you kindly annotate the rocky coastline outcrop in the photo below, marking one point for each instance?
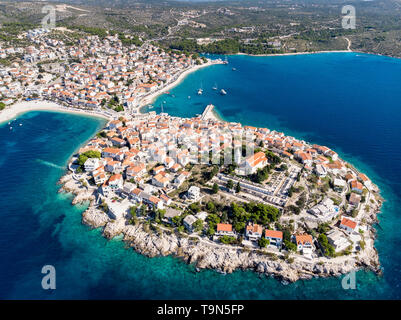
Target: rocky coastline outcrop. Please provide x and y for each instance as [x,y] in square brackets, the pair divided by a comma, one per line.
[206,254]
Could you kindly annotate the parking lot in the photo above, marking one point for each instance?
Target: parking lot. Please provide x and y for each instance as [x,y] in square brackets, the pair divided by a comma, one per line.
[275,192]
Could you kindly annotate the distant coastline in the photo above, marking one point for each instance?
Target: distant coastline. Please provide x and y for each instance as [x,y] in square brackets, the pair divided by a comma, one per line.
[305,52]
[293,53]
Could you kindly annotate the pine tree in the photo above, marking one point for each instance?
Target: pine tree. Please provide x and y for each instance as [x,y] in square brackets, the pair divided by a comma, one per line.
[238,188]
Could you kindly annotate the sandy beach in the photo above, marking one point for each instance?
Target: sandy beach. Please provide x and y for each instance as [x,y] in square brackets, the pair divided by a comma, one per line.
[12,111]
[151,97]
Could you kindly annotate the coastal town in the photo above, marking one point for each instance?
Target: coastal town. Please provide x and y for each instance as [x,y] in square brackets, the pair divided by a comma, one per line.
[172,176]
[98,75]
[222,195]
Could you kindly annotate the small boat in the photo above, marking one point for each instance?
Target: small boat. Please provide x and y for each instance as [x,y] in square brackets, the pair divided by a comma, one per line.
[150,107]
[11,128]
[200,92]
[234,69]
[223,92]
[215,86]
[20,124]
[189,97]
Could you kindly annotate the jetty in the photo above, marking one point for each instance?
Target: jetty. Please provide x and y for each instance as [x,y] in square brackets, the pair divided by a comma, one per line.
[207,112]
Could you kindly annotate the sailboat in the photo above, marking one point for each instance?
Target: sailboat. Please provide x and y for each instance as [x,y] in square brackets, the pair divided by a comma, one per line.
[215,86]
[200,90]
[225,61]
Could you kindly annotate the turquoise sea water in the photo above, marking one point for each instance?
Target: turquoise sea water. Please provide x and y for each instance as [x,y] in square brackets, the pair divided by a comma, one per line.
[349,102]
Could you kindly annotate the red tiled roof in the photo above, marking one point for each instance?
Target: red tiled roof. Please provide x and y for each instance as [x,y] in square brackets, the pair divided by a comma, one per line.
[348,223]
[254,228]
[274,234]
[224,227]
[303,238]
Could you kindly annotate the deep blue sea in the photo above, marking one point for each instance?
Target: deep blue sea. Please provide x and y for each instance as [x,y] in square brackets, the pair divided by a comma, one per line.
[349,102]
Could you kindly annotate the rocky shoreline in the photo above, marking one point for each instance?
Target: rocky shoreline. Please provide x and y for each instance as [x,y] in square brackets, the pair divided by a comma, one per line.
[205,254]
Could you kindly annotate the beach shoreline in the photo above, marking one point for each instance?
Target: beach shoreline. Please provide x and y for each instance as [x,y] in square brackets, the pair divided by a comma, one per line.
[13,111]
[152,97]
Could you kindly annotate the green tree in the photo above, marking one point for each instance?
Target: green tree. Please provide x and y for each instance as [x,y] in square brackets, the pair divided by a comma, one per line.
[198,225]
[230,184]
[211,207]
[272,157]
[119,108]
[283,167]
[132,211]
[177,221]
[323,227]
[215,188]
[214,171]
[142,210]
[238,188]
[159,214]
[327,247]
[212,220]
[210,231]
[228,240]
[104,206]
[239,227]
[102,134]
[86,155]
[261,175]
[263,242]
[291,246]
[194,207]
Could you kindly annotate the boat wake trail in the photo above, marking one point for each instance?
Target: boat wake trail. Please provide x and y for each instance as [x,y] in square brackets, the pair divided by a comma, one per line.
[49,164]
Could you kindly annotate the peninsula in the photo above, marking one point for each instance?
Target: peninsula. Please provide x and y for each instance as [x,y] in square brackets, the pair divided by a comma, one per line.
[290,209]
[220,195]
